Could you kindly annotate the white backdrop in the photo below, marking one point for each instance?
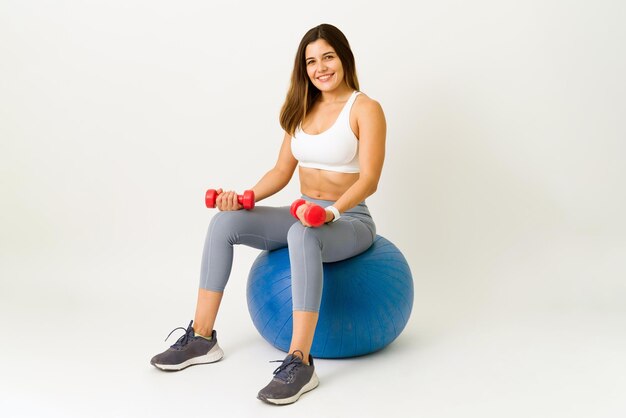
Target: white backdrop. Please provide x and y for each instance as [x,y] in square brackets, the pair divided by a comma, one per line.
[504,181]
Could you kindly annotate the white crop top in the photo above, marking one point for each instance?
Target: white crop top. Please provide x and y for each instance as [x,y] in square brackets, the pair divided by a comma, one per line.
[335,149]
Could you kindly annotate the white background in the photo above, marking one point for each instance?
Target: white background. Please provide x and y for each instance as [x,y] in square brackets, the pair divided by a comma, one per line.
[504,187]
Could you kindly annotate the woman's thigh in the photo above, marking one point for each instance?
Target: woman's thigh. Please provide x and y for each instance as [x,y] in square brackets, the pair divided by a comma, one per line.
[264,227]
[343,239]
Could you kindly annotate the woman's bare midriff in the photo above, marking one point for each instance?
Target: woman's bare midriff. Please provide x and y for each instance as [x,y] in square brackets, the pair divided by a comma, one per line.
[324,184]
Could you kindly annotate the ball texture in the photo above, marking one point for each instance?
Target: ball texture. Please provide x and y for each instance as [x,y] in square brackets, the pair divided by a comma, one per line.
[366,301]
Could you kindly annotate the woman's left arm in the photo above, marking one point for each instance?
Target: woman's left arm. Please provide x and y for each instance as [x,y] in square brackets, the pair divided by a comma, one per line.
[372,135]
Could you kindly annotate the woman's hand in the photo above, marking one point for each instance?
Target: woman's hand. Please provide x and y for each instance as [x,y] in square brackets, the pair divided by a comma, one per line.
[227,200]
[300,213]
[302,208]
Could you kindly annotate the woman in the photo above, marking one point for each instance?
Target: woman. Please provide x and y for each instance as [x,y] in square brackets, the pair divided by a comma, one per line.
[337,135]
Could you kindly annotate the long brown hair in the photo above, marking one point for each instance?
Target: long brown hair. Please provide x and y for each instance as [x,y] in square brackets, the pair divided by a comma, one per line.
[302,93]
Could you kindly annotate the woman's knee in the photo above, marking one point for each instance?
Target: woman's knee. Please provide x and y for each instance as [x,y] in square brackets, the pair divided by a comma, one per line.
[299,234]
[225,223]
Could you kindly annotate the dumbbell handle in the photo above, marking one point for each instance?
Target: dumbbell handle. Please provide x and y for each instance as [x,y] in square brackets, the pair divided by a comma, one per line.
[247,199]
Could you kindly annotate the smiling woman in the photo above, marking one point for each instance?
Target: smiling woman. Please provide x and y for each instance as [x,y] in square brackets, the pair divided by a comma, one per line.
[336,135]
[324,52]
[323,113]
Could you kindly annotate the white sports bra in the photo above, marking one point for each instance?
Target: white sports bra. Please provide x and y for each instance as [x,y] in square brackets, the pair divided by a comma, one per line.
[335,149]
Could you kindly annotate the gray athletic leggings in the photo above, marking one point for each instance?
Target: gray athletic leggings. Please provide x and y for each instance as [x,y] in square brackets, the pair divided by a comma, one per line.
[270,228]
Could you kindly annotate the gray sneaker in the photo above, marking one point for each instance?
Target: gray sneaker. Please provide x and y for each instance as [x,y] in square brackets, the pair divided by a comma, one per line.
[188,350]
[291,379]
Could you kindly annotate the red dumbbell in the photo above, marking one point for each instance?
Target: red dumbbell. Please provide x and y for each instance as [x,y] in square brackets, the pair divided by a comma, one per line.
[314,215]
[247,200]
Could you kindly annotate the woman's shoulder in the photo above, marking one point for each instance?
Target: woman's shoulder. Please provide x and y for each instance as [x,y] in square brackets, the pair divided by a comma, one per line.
[365,105]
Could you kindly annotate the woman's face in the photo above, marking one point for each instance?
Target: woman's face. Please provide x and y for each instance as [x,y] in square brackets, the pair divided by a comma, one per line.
[323,65]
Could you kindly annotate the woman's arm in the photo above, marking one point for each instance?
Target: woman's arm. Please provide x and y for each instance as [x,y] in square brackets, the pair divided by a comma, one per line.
[372,135]
[278,177]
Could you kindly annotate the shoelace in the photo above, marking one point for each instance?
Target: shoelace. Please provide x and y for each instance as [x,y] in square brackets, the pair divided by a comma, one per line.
[184,339]
[286,370]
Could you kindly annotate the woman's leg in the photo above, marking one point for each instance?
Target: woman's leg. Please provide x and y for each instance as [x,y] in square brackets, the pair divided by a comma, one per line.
[308,249]
[206,311]
[264,228]
[304,324]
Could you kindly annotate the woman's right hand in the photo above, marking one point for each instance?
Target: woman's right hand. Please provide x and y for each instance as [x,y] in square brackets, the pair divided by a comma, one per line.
[227,200]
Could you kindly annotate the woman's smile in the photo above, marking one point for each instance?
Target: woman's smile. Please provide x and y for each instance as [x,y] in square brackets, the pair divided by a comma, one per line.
[325,77]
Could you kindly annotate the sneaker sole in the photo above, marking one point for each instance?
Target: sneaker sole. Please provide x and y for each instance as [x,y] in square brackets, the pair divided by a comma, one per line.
[214,355]
[313,383]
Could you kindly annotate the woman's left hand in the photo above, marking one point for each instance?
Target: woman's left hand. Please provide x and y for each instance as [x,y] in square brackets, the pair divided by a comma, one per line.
[302,208]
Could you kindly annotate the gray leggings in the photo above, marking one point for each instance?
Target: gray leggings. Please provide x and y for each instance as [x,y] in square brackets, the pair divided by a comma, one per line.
[270,228]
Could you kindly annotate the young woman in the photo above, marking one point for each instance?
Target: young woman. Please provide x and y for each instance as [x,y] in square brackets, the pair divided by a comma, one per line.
[337,136]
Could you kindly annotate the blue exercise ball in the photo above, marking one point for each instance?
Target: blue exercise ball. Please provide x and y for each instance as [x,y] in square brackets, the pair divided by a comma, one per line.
[366,301]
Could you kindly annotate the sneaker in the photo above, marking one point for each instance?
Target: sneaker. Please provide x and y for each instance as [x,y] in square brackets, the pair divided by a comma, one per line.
[291,379]
[188,350]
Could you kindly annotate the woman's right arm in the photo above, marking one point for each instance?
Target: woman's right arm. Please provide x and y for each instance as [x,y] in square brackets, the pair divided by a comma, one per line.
[278,177]
[272,182]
